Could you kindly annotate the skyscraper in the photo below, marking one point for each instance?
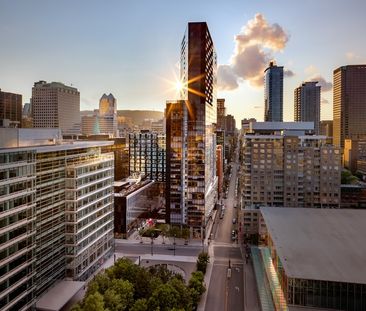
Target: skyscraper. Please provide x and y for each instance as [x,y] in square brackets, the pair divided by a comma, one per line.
[108,115]
[349,103]
[273,93]
[307,104]
[11,107]
[191,139]
[107,105]
[55,105]
[221,113]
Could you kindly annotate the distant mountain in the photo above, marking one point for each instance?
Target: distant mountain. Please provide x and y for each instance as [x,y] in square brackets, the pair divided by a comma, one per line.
[137,116]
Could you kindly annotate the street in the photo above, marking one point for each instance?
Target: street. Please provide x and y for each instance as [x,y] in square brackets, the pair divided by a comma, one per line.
[163,249]
[228,290]
[232,283]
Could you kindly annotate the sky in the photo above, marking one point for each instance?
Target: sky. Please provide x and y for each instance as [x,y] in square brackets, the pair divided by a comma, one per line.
[131,48]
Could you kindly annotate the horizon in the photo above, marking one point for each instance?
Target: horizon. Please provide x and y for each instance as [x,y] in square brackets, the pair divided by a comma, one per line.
[127,51]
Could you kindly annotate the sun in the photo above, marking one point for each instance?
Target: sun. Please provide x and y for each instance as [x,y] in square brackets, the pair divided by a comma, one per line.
[179,86]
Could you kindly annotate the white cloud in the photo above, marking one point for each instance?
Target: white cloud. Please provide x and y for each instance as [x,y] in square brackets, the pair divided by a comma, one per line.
[254,48]
[226,79]
[311,70]
[325,85]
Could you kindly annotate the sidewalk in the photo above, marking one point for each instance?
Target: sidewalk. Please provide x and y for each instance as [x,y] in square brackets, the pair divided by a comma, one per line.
[210,250]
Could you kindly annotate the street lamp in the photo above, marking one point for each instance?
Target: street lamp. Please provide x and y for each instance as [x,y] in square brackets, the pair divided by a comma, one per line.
[174,245]
[152,243]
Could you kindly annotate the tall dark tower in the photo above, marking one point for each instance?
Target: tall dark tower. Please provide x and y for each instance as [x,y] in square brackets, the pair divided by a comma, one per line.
[273,93]
[197,185]
[349,103]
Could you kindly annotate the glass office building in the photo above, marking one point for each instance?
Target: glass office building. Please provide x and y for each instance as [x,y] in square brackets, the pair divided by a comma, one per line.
[198,185]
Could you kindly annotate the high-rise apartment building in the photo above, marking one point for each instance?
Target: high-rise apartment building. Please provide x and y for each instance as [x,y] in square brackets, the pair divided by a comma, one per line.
[285,167]
[55,105]
[221,113]
[326,128]
[354,151]
[273,93]
[307,104]
[230,125]
[199,184]
[349,103]
[147,154]
[11,108]
[56,215]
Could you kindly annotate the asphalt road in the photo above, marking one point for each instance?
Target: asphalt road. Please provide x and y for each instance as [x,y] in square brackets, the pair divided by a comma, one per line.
[163,249]
[226,293]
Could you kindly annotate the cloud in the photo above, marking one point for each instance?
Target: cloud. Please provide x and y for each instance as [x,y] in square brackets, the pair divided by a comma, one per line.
[311,70]
[352,56]
[226,78]
[254,48]
[288,73]
[326,86]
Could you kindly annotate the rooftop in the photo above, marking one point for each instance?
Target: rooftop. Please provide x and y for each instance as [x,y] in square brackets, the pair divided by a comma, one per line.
[319,244]
[58,295]
[278,126]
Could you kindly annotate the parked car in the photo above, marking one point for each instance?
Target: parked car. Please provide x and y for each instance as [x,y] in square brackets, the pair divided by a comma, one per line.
[234,220]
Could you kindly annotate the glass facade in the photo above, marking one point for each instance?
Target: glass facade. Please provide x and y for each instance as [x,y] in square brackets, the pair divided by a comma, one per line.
[318,293]
[197,192]
[147,154]
[17,229]
[89,213]
[49,196]
[136,203]
[273,93]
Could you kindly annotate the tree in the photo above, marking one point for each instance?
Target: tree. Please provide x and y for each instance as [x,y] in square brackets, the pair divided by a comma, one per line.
[140,305]
[125,291]
[113,300]
[94,302]
[164,231]
[186,233]
[77,307]
[185,300]
[202,261]
[197,288]
[99,284]
[123,269]
[142,284]
[162,273]
[175,231]
[347,177]
[127,286]
[164,298]
[196,282]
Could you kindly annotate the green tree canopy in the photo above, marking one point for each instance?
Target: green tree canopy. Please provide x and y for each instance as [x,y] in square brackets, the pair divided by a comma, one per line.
[140,305]
[164,298]
[94,302]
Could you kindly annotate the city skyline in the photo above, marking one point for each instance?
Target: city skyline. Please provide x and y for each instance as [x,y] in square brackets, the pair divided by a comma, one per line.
[112,48]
